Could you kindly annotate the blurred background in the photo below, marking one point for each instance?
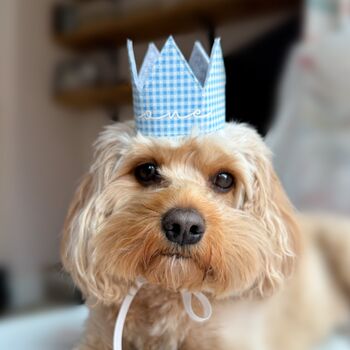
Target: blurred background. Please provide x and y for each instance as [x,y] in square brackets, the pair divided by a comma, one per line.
[64,76]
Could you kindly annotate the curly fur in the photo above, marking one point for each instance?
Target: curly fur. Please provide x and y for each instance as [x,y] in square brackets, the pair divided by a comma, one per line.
[112,235]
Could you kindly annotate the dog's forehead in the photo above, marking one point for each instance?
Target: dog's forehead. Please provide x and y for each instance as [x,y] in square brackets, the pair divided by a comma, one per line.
[190,150]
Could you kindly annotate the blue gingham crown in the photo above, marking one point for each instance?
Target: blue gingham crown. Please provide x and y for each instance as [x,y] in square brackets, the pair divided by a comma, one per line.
[173,97]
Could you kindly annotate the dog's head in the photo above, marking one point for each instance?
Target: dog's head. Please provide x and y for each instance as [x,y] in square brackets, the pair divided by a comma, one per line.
[206,213]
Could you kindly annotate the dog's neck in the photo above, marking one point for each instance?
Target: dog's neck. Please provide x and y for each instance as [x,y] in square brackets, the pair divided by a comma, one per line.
[156,319]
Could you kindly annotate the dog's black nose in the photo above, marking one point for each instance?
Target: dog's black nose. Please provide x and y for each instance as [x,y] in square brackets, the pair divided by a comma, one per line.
[183,226]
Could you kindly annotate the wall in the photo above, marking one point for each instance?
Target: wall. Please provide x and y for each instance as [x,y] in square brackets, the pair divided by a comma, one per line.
[44,148]
[8,24]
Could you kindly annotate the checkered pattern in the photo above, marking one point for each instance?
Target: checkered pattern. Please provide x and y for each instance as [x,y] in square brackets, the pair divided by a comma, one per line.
[172,97]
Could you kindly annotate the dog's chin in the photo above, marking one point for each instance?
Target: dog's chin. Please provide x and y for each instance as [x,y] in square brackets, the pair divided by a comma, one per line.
[178,271]
[175,272]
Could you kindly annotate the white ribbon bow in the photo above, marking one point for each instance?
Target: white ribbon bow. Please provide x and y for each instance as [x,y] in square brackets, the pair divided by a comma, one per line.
[186,299]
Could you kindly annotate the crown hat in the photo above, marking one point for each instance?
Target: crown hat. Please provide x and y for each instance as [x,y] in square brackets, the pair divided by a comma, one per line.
[173,97]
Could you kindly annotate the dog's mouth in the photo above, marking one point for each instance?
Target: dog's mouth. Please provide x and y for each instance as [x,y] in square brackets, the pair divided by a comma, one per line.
[176,256]
[176,269]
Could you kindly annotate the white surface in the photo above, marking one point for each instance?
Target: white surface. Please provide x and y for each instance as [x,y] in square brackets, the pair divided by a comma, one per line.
[61,330]
[336,343]
[52,330]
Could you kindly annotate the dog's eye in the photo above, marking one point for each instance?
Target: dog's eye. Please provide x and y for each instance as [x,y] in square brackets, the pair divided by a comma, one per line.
[147,174]
[223,181]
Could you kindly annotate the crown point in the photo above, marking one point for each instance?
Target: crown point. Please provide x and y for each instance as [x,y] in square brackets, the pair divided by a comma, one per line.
[132,63]
[151,56]
[170,42]
[199,62]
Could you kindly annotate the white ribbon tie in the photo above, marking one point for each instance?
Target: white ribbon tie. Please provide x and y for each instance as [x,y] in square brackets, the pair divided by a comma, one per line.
[186,299]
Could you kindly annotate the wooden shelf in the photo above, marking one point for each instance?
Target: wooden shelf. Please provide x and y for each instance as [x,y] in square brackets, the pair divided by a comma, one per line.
[151,23]
[96,97]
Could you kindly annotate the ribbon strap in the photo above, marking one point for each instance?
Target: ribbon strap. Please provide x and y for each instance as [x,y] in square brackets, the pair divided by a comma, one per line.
[119,324]
[186,299]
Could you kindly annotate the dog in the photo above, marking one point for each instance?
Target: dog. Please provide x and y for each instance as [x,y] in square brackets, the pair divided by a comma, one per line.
[205,213]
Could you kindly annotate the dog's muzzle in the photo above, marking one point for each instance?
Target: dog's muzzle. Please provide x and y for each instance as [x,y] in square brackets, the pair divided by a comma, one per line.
[183,226]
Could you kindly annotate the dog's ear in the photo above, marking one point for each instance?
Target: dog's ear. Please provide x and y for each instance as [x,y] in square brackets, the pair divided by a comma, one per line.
[88,208]
[263,198]
[76,233]
[269,204]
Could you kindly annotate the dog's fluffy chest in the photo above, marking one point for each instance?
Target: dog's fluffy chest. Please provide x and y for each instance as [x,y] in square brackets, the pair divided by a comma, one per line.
[157,320]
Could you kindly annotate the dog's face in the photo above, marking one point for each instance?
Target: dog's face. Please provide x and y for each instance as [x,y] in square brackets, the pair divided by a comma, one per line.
[205,213]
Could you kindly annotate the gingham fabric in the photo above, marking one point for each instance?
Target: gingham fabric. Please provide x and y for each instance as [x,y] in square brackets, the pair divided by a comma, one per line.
[173,97]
